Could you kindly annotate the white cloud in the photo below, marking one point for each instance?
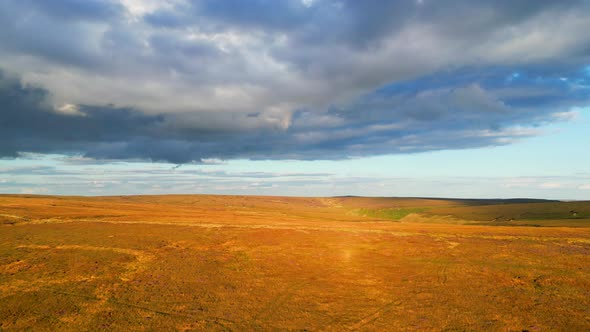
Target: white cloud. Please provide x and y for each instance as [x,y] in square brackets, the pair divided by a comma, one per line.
[552,185]
[566,116]
[138,8]
[307,3]
[69,109]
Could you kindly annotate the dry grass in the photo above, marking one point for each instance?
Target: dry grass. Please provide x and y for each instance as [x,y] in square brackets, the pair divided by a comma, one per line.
[273,263]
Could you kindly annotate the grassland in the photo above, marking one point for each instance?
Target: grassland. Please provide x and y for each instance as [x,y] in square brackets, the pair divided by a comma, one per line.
[220,263]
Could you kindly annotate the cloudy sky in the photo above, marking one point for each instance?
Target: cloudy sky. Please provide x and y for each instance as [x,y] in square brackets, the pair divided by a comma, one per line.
[296,97]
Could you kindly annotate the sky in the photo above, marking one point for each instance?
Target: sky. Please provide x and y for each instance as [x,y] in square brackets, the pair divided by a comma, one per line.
[423,98]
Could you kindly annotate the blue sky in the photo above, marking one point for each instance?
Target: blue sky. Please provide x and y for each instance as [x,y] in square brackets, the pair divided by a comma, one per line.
[322,97]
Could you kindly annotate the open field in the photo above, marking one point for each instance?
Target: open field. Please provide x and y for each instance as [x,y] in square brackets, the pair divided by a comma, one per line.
[197,262]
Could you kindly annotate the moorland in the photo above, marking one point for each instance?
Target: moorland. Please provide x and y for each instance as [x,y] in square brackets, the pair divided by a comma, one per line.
[241,263]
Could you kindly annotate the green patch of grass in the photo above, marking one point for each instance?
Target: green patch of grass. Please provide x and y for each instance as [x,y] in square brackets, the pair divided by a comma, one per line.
[577,212]
[391,213]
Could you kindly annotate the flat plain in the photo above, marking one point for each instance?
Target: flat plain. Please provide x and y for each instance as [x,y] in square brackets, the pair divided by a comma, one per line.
[241,263]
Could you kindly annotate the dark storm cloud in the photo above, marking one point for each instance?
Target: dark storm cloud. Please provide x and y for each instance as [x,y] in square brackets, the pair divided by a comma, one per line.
[193,80]
[29,123]
[76,9]
[395,120]
[358,23]
[257,13]
[58,30]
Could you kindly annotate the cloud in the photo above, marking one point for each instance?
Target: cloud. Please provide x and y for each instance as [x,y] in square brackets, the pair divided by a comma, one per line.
[551,185]
[87,10]
[154,178]
[394,119]
[184,81]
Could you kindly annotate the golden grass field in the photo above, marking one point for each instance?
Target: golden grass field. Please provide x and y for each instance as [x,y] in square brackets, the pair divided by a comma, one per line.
[246,263]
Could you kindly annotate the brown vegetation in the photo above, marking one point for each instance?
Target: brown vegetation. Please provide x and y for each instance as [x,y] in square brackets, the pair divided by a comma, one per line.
[274,263]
